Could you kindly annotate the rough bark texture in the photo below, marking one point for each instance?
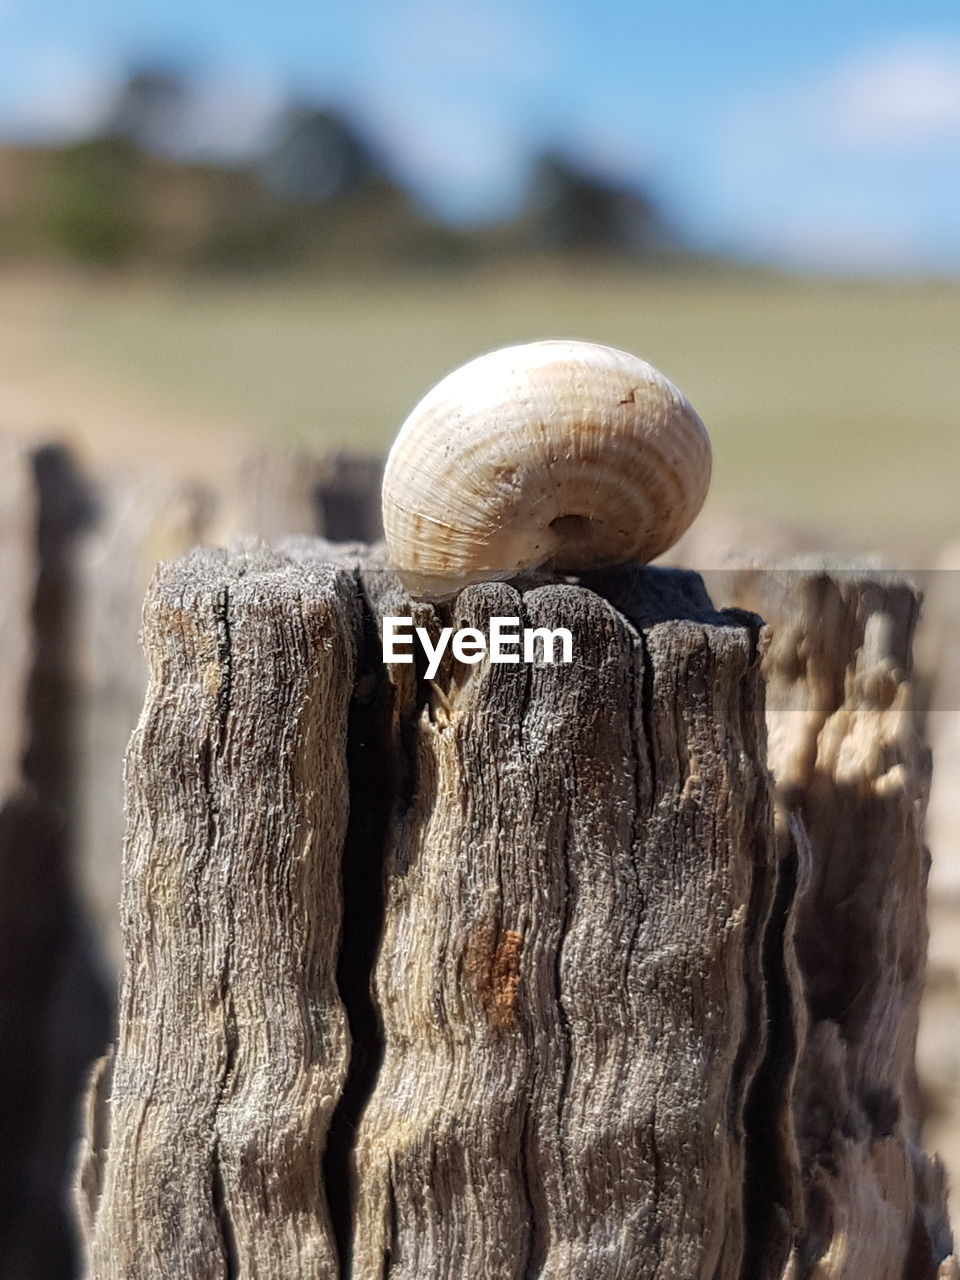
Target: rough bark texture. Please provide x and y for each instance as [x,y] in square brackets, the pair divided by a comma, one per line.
[850,766]
[141,519]
[601,1022]
[204,1137]
[577,878]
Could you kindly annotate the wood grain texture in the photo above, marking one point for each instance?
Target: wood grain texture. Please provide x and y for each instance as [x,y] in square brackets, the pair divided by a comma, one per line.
[142,518]
[569,975]
[852,769]
[605,1019]
[204,1138]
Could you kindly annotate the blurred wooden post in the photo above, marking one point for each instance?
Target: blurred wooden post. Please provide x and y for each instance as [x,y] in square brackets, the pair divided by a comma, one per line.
[938,1050]
[942,654]
[852,769]
[54,1015]
[145,516]
[347,497]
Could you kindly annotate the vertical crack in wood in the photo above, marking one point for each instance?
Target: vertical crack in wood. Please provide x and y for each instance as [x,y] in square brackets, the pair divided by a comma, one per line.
[772,1206]
[373,769]
[231,1043]
[228,1237]
[537,1242]
[647,714]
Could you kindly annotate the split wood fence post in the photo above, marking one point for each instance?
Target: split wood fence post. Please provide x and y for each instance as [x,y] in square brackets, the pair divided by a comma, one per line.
[501,973]
[574,871]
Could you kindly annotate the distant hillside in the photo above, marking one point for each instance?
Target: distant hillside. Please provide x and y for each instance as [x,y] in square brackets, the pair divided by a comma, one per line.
[320,198]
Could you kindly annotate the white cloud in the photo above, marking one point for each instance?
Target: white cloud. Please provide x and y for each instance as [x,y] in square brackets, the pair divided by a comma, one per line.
[908,95]
[857,168]
[903,97]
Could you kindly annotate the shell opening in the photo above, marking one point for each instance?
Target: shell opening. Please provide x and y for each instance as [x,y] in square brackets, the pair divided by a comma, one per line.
[567,527]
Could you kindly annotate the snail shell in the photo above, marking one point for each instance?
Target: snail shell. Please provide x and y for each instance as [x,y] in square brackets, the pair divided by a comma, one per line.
[560,452]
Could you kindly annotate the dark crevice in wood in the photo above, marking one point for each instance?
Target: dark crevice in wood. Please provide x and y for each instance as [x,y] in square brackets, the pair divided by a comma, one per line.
[376,775]
[212,753]
[406,757]
[531,1266]
[231,1038]
[536,1242]
[647,713]
[231,1260]
[771,1187]
[537,1235]
[563,1018]
[391,1253]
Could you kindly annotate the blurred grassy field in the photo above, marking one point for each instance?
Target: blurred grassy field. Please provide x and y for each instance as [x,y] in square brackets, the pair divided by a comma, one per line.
[829,402]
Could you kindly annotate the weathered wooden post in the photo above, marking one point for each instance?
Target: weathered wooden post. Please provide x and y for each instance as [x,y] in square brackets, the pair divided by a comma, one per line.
[569,975]
[574,870]
[205,1133]
[853,771]
[142,517]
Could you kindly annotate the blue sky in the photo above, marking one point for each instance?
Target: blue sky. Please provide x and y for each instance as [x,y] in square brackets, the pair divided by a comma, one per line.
[825,135]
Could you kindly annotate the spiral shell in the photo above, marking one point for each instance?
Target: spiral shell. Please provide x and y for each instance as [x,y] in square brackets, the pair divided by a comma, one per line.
[560,452]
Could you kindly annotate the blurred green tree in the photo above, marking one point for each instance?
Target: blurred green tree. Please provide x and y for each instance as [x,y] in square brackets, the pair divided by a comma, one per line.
[93,201]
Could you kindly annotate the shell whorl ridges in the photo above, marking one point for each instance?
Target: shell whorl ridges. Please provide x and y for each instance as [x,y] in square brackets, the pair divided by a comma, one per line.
[561,452]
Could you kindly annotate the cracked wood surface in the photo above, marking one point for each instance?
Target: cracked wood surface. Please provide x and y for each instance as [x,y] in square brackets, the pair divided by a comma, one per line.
[596,1025]
[578,867]
[204,1137]
[569,976]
